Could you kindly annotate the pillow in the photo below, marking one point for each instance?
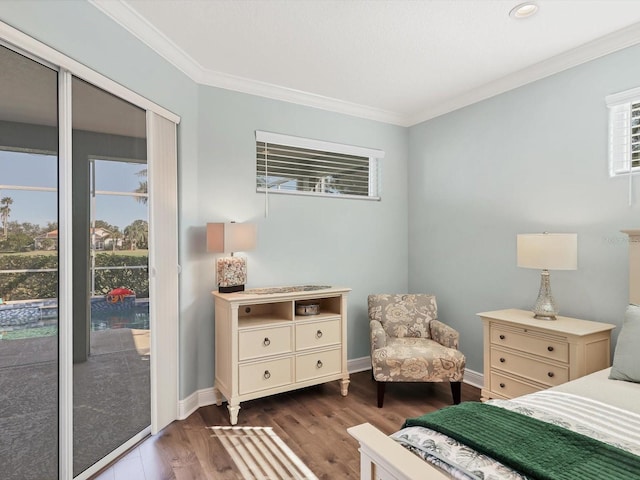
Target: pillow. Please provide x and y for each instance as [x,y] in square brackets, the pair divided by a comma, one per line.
[626,359]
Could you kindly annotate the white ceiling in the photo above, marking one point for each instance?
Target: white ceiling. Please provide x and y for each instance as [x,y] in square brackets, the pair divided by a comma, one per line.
[398,61]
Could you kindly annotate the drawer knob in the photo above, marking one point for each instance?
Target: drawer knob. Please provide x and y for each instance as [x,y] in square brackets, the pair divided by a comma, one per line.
[502,360]
[502,385]
[267,375]
[550,348]
[319,334]
[266,342]
[550,374]
[319,364]
[501,337]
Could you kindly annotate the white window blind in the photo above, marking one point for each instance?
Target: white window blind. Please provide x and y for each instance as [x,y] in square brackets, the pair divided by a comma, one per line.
[295,165]
[624,132]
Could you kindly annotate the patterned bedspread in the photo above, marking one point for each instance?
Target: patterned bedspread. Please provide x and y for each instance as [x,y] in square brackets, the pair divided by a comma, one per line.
[606,423]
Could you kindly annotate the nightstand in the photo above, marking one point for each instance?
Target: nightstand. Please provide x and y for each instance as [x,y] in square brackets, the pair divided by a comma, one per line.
[523,354]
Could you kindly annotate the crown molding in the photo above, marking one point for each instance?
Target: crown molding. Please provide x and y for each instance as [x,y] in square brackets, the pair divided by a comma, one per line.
[128,18]
[276,92]
[139,27]
[597,48]
[132,21]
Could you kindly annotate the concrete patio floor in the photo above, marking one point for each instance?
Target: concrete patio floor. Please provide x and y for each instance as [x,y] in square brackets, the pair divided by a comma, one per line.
[111,397]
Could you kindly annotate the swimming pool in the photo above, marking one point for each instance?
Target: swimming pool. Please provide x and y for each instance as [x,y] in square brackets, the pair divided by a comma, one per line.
[135,316]
[36,318]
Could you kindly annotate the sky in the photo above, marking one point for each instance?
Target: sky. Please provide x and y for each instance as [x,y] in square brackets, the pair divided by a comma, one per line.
[37,207]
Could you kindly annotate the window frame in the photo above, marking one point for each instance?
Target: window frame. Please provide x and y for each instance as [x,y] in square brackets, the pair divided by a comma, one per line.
[373,175]
[621,107]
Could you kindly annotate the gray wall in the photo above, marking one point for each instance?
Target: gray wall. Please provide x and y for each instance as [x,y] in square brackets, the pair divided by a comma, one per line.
[354,243]
[530,160]
[304,240]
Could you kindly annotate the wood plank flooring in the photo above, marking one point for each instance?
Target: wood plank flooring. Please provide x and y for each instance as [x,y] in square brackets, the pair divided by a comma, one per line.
[311,421]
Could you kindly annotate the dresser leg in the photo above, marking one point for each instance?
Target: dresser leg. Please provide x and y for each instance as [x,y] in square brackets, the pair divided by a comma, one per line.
[344,386]
[233,412]
[218,396]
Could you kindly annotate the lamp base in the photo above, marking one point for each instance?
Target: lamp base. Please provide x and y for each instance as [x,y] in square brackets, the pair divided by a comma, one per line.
[231,289]
[545,307]
[232,274]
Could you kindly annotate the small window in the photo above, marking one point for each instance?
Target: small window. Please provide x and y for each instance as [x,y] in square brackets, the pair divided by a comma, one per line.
[624,132]
[295,165]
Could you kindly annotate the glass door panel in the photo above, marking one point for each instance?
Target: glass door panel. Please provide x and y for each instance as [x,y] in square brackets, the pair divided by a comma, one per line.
[111,380]
[28,269]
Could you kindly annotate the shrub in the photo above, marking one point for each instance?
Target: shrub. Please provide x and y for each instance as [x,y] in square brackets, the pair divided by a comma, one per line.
[133,279]
[39,285]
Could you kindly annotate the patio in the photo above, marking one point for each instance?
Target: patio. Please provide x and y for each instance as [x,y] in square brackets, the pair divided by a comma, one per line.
[111,400]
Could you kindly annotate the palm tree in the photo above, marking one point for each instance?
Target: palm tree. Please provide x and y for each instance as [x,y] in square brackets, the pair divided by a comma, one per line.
[114,235]
[5,211]
[137,233]
[142,187]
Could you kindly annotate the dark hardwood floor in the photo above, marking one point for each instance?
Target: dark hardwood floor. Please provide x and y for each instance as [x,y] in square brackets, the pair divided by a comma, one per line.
[311,421]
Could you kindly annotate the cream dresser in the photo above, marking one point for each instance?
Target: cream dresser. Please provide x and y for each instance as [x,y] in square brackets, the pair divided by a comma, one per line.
[523,354]
[263,347]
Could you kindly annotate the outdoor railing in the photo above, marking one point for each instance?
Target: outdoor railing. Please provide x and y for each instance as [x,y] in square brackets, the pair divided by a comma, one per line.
[42,282]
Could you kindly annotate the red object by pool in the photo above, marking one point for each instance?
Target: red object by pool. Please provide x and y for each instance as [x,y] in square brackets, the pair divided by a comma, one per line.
[118,294]
[121,291]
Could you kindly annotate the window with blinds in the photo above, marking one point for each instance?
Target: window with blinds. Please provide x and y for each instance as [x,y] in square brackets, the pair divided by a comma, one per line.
[295,165]
[624,132]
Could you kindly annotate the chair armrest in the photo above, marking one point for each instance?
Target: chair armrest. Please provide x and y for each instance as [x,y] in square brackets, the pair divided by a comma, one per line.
[378,335]
[444,334]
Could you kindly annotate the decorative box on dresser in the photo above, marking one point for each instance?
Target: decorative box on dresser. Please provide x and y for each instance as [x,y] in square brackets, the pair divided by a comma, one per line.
[523,354]
[262,347]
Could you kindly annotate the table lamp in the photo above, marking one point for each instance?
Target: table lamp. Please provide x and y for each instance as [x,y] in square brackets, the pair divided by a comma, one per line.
[230,238]
[547,251]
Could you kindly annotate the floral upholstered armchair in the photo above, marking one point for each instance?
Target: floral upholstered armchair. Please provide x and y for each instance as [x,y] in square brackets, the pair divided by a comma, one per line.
[410,344]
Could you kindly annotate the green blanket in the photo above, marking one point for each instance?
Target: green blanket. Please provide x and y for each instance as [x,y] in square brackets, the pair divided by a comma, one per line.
[534,448]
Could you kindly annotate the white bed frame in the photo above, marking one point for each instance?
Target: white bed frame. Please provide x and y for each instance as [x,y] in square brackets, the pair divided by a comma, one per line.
[382,458]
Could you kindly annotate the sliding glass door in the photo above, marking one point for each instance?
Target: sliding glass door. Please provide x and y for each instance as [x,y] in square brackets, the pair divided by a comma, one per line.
[111,356]
[111,350]
[28,269]
[88,265]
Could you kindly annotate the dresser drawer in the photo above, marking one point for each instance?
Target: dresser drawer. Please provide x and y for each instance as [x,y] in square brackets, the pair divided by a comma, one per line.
[263,342]
[319,364]
[533,369]
[509,387]
[526,341]
[317,334]
[264,375]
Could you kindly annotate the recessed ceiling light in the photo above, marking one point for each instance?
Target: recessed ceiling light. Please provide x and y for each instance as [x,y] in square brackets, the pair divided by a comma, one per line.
[523,10]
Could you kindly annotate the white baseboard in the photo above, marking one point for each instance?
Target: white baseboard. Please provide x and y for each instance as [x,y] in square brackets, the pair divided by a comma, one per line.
[473,378]
[205,396]
[359,364]
[197,399]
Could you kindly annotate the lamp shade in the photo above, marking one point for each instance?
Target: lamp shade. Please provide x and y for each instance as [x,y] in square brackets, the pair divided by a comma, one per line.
[231,237]
[548,251]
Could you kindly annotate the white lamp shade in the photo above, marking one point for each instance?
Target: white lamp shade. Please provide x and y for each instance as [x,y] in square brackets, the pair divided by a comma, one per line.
[215,237]
[231,237]
[548,251]
[239,237]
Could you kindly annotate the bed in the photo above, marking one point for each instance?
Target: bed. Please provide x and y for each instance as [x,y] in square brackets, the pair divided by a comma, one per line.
[592,416]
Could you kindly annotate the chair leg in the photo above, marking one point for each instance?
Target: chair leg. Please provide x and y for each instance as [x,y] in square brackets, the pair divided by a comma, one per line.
[381,386]
[456,389]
